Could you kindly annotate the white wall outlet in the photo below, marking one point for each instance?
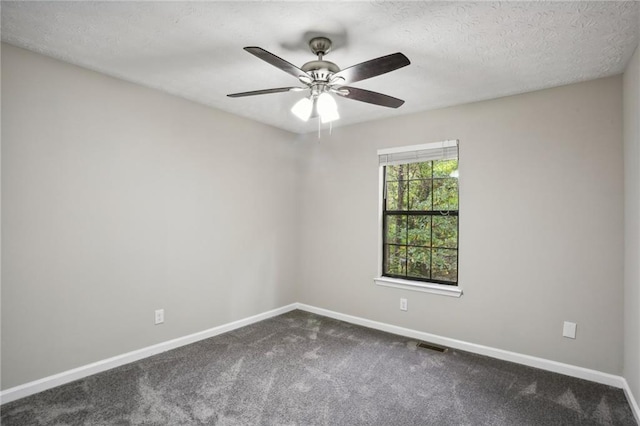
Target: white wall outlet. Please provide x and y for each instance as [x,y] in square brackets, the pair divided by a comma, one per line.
[403,304]
[569,330]
[159,316]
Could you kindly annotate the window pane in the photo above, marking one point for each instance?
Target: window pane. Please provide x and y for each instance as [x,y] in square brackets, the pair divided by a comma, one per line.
[419,233]
[420,170]
[395,259]
[445,231]
[397,195]
[421,243]
[420,194]
[445,265]
[445,194]
[443,168]
[418,261]
[396,229]
[397,172]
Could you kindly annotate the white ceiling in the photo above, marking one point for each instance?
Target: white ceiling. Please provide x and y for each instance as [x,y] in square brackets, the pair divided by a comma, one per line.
[460,51]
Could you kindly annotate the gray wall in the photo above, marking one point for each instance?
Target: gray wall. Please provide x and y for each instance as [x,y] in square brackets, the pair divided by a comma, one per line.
[632,225]
[541,223]
[118,200]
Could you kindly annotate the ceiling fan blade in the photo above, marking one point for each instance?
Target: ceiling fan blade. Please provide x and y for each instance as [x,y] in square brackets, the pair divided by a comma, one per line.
[372,68]
[369,97]
[277,62]
[265,91]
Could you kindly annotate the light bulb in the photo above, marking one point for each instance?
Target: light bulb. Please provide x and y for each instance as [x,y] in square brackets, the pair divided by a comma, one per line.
[302,109]
[327,108]
[326,104]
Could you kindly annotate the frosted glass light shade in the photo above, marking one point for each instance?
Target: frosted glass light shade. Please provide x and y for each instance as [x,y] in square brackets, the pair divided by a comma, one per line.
[327,108]
[302,109]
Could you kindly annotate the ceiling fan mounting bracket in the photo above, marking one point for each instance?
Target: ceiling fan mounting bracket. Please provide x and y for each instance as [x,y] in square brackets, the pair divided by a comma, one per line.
[320,45]
[312,66]
[320,70]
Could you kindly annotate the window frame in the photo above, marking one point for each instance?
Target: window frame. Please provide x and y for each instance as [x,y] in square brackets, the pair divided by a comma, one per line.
[414,284]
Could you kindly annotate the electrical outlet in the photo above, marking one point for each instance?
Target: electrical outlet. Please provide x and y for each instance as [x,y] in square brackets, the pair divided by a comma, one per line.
[159,316]
[403,304]
[569,330]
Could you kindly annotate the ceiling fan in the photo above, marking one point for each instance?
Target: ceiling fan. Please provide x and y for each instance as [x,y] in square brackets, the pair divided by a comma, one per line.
[322,78]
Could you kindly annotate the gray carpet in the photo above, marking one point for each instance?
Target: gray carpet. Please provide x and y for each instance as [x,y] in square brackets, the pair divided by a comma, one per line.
[304,369]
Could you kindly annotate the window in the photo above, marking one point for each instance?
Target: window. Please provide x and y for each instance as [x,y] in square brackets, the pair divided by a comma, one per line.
[420,213]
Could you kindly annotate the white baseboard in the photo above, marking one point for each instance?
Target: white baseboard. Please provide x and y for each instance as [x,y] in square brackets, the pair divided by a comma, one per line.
[632,401]
[531,361]
[40,385]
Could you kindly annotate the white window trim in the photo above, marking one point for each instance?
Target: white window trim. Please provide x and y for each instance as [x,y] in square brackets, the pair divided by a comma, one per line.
[413,285]
[425,287]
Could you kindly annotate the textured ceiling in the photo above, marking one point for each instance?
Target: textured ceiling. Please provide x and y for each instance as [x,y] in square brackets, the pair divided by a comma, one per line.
[460,52]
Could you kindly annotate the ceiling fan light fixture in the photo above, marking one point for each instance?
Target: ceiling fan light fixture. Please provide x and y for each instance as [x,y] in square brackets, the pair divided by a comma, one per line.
[327,108]
[302,109]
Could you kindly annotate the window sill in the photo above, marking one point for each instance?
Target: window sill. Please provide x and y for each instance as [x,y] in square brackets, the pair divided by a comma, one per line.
[441,289]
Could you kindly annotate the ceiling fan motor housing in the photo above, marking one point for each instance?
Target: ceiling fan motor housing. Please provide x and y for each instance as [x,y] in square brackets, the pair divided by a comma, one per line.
[320,70]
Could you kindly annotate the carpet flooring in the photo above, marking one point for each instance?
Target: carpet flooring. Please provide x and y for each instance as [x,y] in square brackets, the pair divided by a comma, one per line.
[304,369]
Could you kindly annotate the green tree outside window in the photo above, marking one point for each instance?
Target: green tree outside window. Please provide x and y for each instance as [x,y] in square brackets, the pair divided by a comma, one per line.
[420,220]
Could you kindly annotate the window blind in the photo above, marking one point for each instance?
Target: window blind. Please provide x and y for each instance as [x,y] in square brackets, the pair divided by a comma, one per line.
[446,150]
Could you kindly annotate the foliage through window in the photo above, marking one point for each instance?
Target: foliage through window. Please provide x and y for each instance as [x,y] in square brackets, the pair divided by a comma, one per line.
[420,221]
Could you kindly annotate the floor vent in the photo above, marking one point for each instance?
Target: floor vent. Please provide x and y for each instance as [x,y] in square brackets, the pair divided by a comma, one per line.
[432,346]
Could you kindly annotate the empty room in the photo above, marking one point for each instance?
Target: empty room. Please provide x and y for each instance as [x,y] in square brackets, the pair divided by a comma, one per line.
[320,213]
